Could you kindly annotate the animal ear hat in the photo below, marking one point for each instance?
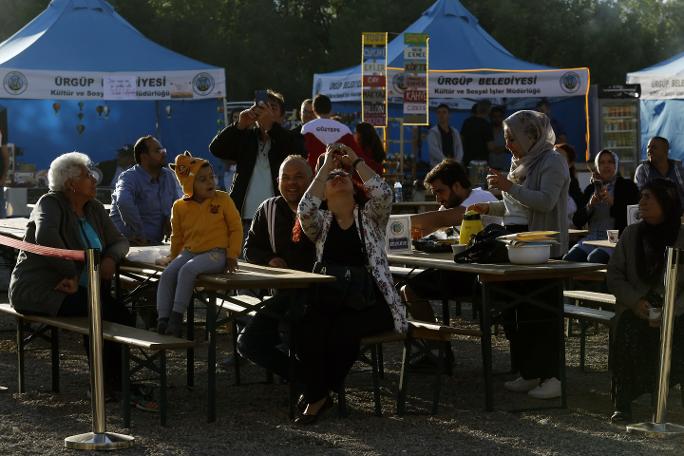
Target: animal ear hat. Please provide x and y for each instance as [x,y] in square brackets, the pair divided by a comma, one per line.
[186,167]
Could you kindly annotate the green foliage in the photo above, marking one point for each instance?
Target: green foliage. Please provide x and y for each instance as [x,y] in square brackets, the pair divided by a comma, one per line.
[281,43]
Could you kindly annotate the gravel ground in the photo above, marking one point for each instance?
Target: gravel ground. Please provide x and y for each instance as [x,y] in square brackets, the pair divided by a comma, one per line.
[252,418]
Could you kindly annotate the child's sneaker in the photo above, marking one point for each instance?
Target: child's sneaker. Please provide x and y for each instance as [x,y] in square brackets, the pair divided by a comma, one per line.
[175,326]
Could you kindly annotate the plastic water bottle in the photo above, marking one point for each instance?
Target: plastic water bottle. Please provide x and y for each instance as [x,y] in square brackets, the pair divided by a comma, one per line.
[228,176]
[398,192]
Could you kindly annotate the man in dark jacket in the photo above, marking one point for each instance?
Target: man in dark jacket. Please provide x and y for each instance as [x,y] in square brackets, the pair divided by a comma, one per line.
[258,144]
[269,242]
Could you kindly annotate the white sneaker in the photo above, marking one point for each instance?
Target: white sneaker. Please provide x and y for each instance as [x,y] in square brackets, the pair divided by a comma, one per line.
[549,389]
[520,385]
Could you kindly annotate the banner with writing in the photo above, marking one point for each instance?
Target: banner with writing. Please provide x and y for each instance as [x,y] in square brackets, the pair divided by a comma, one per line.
[374,78]
[449,85]
[416,99]
[89,85]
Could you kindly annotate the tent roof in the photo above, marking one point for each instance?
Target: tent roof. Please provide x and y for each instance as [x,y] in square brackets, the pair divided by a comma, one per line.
[669,67]
[87,35]
[457,42]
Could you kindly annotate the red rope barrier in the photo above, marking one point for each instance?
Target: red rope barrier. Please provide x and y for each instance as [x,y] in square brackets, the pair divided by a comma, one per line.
[75,255]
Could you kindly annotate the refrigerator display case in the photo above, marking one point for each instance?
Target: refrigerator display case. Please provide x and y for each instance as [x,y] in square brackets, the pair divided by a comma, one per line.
[618,124]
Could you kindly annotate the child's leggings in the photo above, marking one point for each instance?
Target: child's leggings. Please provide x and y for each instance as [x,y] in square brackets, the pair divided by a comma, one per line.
[178,279]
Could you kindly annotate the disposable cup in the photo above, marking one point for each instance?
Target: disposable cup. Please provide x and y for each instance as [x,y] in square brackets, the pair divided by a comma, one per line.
[613,235]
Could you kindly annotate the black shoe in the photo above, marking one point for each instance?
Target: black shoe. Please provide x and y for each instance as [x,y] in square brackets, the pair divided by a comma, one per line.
[620,417]
[175,325]
[162,324]
[305,420]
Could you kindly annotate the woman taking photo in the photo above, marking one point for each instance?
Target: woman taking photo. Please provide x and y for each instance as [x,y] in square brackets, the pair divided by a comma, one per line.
[635,276]
[603,207]
[349,233]
[534,198]
[69,217]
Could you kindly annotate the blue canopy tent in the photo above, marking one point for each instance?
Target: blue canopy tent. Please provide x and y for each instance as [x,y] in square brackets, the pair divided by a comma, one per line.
[662,103]
[79,77]
[458,47]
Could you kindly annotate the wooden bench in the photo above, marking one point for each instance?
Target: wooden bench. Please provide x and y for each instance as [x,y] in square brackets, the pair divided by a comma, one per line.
[587,315]
[417,331]
[582,297]
[127,336]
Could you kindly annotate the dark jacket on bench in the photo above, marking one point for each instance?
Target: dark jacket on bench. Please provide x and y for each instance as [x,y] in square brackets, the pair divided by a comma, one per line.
[54,224]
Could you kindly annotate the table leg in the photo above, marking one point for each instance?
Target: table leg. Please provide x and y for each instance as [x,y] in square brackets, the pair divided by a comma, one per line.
[190,366]
[486,329]
[561,344]
[211,358]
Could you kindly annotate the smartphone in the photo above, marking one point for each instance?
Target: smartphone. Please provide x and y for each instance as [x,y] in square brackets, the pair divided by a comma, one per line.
[260,96]
[598,186]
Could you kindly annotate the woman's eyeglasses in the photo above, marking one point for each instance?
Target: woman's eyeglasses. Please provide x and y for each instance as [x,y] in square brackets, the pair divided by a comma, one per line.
[335,174]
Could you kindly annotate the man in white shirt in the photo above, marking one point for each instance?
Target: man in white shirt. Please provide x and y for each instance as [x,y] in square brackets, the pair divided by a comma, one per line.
[444,141]
[450,184]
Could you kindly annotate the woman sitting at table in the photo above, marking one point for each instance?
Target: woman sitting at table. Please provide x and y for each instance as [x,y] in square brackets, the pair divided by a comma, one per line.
[534,198]
[635,276]
[603,207]
[350,232]
[69,217]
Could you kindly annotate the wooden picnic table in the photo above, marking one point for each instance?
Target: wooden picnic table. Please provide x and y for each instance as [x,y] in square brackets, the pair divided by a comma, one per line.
[14,227]
[605,243]
[248,276]
[493,279]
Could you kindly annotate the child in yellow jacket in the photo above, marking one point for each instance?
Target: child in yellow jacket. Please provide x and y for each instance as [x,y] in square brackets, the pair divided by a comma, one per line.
[206,235]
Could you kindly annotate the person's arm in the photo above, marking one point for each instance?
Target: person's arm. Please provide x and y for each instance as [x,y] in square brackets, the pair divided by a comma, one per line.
[115,244]
[431,221]
[458,145]
[177,239]
[584,212]
[379,204]
[308,213]
[234,223]
[227,144]
[553,177]
[124,199]
[258,246]
[617,277]
[640,176]
[47,216]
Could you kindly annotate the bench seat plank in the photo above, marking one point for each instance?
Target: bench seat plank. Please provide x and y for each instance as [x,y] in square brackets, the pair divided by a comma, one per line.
[590,296]
[134,337]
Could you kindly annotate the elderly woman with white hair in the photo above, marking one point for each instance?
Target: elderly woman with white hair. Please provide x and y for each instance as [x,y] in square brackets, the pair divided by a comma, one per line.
[69,217]
[603,207]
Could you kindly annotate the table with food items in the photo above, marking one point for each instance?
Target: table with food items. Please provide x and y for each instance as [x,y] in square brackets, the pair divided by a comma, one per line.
[528,261]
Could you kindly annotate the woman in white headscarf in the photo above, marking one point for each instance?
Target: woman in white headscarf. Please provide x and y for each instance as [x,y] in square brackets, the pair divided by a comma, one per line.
[534,198]
[603,207]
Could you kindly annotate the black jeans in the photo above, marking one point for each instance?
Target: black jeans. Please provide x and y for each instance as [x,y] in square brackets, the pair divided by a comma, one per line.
[76,305]
[260,340]
[328,341]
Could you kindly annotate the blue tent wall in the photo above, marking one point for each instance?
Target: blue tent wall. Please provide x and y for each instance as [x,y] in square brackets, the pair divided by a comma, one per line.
[43,134]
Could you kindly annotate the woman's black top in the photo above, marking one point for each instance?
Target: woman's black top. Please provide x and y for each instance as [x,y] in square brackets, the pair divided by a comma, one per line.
[343,246]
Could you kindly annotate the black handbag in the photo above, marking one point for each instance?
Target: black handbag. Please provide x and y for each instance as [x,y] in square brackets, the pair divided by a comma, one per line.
[484,248]
[354,287]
